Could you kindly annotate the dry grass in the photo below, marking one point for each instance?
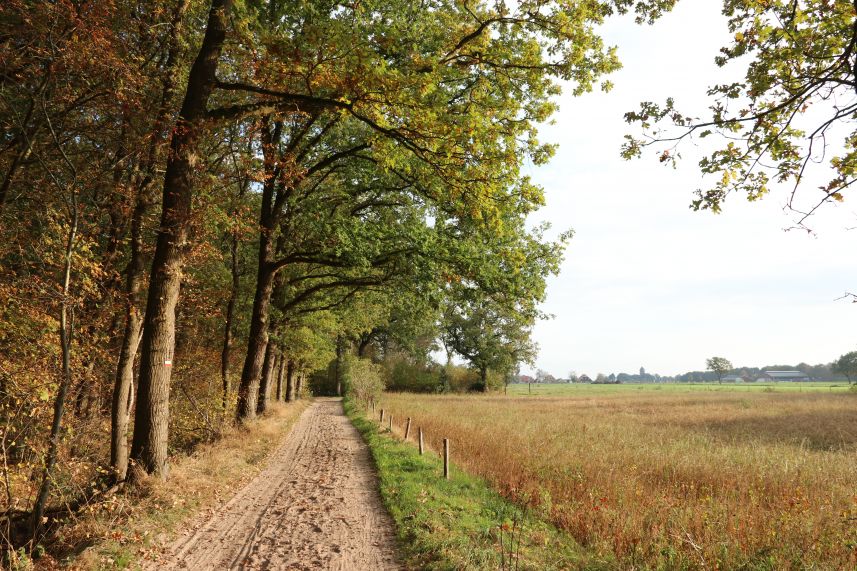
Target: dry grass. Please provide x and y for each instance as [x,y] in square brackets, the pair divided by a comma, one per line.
[124,529]
[673,481]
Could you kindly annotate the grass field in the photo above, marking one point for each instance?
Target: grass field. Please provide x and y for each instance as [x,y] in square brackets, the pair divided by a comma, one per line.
[566,389]
[685,477]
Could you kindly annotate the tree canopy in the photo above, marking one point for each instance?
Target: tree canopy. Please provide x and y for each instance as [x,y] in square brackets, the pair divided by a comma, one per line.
[718,365]
[847,365]
[788,121]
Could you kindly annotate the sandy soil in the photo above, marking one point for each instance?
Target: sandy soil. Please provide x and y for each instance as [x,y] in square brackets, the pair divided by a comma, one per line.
[316,506]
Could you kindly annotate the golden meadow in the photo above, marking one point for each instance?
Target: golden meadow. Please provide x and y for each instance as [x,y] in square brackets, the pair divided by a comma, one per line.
[673,479]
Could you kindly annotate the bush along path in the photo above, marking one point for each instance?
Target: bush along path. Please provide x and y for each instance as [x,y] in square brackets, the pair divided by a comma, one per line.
[315,506]
[458,523]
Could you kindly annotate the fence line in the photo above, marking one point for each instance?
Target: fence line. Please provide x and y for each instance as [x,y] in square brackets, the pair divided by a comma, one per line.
[420,438]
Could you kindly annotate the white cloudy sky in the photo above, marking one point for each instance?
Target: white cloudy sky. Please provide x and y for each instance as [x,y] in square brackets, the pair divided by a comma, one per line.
[646,281]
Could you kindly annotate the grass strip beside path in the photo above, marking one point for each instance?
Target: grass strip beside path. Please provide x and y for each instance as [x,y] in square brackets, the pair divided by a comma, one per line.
[458,523]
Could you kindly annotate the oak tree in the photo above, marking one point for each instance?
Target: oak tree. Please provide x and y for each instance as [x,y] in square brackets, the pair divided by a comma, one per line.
[787,121]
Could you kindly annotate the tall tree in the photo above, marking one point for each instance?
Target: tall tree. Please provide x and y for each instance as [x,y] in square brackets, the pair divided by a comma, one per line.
[151,419]
[491,308]
[490,336]
[144,176]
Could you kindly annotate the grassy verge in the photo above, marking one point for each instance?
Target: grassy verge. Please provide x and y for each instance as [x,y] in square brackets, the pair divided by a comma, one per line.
[131,526]
[459,523]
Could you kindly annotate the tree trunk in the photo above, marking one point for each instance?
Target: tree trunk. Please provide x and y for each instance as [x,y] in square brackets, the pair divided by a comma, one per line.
[257,341]
[65,335]
[123,386]
[151,420]
[230,317]
[365,341]
[257,344]
[337,367]
[280,372]
[299,385]
[290,381]
[483,377]
[265,380]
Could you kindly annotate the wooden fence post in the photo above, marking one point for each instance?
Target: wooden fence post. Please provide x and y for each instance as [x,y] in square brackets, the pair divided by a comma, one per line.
[408,428]
[391,424]
[373,407]
[446,458]
[382,416]
[421,441]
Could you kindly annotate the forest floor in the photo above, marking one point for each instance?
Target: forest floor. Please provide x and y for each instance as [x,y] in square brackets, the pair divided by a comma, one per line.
[315,506]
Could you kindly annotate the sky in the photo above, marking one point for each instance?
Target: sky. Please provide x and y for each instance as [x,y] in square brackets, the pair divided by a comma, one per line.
[647,281]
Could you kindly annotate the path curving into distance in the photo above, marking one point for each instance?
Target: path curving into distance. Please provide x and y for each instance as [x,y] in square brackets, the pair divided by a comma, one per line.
[315,506]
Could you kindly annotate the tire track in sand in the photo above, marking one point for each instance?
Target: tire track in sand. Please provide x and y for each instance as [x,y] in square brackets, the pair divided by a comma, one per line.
[315,506]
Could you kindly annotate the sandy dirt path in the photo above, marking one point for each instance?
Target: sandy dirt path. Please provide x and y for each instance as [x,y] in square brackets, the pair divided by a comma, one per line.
[316,506]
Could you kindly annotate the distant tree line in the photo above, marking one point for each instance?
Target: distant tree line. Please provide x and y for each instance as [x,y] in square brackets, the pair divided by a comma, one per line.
[836,371]
[820,372]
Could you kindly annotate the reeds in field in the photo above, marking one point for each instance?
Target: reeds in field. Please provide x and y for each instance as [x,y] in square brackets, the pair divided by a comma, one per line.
[668,480]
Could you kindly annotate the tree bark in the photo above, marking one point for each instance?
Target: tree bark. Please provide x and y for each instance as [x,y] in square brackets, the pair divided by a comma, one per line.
[265,379]
[65,335]
[230,317]
[257,344]
[299,385]
[151,420]
[257,341]
[281,371]
[290,381]
[120,412]
[123,386]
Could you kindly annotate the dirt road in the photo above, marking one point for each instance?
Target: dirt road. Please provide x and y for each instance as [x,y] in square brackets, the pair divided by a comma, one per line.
[316,506]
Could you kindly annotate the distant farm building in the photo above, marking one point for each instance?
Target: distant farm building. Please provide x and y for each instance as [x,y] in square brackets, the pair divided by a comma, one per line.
[790,376]
[733,379]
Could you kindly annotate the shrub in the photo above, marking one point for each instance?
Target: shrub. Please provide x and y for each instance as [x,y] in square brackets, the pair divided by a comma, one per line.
[362,379]
[461,378]
[404,374]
